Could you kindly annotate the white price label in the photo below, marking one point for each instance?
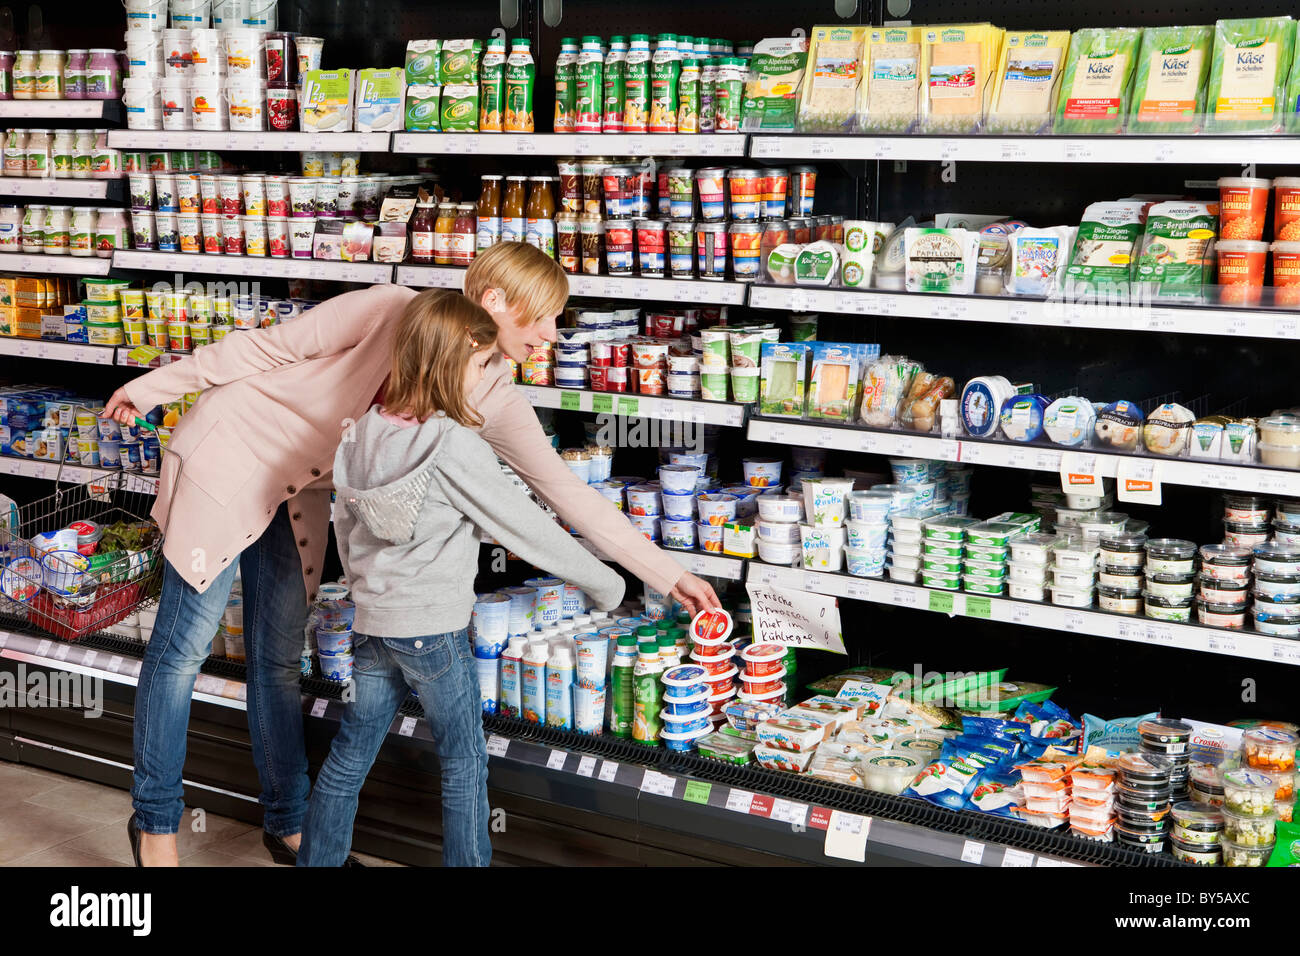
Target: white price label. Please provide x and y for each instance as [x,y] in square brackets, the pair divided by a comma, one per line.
[113,664]
[1014,153]
[1079,474]
[949,450]
[61,653]
[1284,328]
[42,648]
[739,800]
[497,745]
[846,836]
[812,582]
[972,852]
[318,708]
[856,590]
[89,658]
[1236,325]
[788,811]
[1048,861]
[1137,481]
[1167,152]
[608,771]
[1018,313]
[556,760]
[1074,621]
[1078,152]
[657,783]
[587,766]
[764,147]
[798,300]
[407,727]
[4,639]
[1160,633]
[867,442]
[1021,614]
[903,597]
[819,147]
[1011,857]
[882,149]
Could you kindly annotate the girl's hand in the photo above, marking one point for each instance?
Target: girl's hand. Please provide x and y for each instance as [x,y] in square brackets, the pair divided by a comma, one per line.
[120,408]
[695,594]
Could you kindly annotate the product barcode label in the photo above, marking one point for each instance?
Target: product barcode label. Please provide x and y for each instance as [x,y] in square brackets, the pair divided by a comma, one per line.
[407,727]
[497,745]
[555,761]
[608,771]
[587,766]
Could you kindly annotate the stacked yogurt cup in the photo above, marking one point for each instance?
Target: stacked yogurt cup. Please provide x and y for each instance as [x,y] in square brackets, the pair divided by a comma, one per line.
[334,638]
[1027,567]
[1170,579]
[1074,557]
[762,680]
[686,712]
[712,651]
[489,630]
[1277,589]
[904,542]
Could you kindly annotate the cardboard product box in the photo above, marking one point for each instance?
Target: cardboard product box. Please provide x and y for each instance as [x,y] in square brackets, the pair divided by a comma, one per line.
[423,104]
[27,322]
[381,96]
[423,59]
[325,103]
[459,108]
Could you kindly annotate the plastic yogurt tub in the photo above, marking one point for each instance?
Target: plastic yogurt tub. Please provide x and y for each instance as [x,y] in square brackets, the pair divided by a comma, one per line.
[775,552]
[943,549]
[767,696]
[684,741]
[979,585]
[1170,556]
[1245,536]
[865,562]
[1073,578]
[870,505]
[1074,552]
[908,522]
[993,570]
[751,685]
[1071,597]
[1276,626]
[904,546]
[1280,606]
[904,496]
[1287,535]
[1121,549]
[1177,589]
[782,508]
[716,667]
[1246,509]
[779,532]
[1288,509]
[906,562]
[1031,549]
[1027,574]
[763,659]
[1275,586]
[1277,559]
[1224,593]
[980,552]
[1022,591]
[947,581]
[1121,601]
[1164,609]
[1225,562]
[1220,615]
[940,564]
[902,575]
[948,529]
[1126,579]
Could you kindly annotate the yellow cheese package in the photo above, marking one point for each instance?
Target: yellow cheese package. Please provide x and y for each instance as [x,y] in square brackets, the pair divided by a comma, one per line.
[892,77]
[1098,80]
[1027,81]
[958,61]
[1169,87]
[832,79]
[1248,74]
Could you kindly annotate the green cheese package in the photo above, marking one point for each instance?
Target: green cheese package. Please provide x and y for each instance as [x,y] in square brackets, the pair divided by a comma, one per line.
[1102,257]
[1174,260]
[772,85]
[1291,109]
[962,688]
[459,61]
[1098,80]
[1169,86]
[1008,695]
[1248,74]
[422,60]
[783,386]
[1286,851]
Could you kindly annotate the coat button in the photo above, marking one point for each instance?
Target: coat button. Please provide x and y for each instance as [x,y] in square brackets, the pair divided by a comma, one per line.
[419,644]
[297,516]
[292,490]
[302,542]
[315,472]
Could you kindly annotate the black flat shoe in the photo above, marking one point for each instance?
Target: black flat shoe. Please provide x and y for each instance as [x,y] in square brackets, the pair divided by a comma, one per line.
[286,855]
[133,835]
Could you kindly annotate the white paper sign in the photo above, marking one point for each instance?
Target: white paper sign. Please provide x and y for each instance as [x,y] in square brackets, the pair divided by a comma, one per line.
[556,760]
[1012,857]
[587,766]
[1079,474]
[972,852]
[1137,481]
[608,771]
[846,836]
[796,619]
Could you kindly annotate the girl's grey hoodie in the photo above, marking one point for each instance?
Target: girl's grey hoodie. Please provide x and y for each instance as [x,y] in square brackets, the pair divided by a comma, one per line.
[409,502]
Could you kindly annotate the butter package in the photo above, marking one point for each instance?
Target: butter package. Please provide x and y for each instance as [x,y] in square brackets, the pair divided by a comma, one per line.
[423,105]
[458,64]
[27,323]
[1028,78]
[836,371]
[423,58]
[7,324]
[459,110]
[8,292]
[380,100]
[782,389]
[326,101]
[958,61]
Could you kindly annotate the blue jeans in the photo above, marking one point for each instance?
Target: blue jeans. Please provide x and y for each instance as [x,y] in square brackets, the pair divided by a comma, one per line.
[275,608]
[440,669]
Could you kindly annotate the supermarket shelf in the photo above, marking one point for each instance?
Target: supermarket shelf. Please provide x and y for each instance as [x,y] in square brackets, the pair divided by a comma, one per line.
[694,291]
[1124,627]
[1234,150]
[110,110]
[261,142]
[61,188]
[261,266]
[58,351]
[712,565]
[1174,471]
[54,265]
[644,406]
[73,474]
[569,144]
[1198,320]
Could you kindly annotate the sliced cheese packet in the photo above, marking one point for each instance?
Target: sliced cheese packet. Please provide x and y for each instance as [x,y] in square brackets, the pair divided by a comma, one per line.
[1027,80]
[893,80]
[1248,74]
[958,61]
[1169,87]
[1098,80]
[832,79]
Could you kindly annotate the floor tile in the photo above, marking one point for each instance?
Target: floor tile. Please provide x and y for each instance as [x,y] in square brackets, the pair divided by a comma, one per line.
[63,856]
[27,829]
[18,784]
[91,800]
[211,857]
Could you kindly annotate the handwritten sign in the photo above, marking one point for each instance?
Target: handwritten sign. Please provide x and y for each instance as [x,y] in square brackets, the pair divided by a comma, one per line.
[796,619]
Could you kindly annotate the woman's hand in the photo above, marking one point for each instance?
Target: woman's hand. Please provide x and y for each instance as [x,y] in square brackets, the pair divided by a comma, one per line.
[120,408]
[694,594]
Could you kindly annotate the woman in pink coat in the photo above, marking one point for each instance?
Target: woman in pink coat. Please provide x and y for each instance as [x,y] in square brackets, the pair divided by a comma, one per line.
[254,494]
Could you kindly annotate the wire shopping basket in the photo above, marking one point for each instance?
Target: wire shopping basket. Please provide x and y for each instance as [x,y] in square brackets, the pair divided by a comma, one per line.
[84,557]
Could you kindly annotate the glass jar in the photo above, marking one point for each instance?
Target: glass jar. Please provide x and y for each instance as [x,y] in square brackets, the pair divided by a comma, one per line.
[83,153]
[49,74]
[74,75]
[65,145]
[33,229]
[11,225]
[81,234]
[15,153]
[58,229]
[463,234]
[24,74]
[111,231]
[37,162]
[443,229]
[103,77]
[422,228]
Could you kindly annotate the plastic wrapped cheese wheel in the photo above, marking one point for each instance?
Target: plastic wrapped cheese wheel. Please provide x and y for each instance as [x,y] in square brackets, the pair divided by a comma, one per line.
[1022,417]
[1119,426]
[1168,430]
[1069,421]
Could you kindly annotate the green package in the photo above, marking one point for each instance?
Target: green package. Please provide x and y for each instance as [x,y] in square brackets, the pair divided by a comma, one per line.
[422,109]
[1102,257]
[1291,109]
[1169,86]
[1098,80]
[772,84]
[460,108]
[458,64]
[1174,260]
[1286,851]
[783,385]
[1248,74]
[422,60]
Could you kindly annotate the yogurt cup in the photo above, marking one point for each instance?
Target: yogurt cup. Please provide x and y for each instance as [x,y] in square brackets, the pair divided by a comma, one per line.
[678,506]
[780,508]
[766,697]
[1277,586]
[774,552]
[648,525]
[1071,597]
[866,535]
[643,500]
[678,478]
[779,532]
[1277,560]
[763,659]
[709,537]
[683,742]
[1025,591]
[823,548]
[715,666]
[716,510]
[871,505]
[824,500]
[678,534]
[686,726]
[1223,562]
[866,563]
[761,472]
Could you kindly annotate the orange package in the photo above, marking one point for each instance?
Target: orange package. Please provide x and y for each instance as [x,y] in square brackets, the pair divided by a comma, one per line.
[1241,271]
[1286,209]
[1243,204]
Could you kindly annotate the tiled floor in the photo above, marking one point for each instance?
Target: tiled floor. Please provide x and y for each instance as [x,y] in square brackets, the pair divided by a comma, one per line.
[47,819]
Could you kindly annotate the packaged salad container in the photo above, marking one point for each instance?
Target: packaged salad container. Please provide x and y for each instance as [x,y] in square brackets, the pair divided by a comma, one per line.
[1249,792]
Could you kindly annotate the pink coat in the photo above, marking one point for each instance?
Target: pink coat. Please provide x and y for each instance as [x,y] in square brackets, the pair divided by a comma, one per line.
[275,402]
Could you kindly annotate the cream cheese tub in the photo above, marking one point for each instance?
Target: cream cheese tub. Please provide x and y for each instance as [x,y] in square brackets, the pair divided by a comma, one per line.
[1071,597]
[1031,549]
[1225,562]
[946,581]
[1026,591]
[1119,601]
[1170,556]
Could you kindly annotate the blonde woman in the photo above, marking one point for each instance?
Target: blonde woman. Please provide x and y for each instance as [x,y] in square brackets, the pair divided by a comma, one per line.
[254,493]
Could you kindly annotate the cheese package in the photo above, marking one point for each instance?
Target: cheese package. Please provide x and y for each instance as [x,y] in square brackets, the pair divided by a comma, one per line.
[941,260]
[836,370]
[1098,80]
[892,79]
[784,367]
[1175,260]
[1169,85]
[1291,109]
[817,263]
[1027,80]
[1038,258]
[1104,245]
[832,79]
[459,61]
[958,62]
[1248,74]
[776,72]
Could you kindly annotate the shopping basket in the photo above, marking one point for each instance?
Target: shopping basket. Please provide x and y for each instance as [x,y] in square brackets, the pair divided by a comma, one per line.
[49,579]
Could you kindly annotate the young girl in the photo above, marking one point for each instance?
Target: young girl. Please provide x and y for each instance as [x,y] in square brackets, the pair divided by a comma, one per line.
[415,484]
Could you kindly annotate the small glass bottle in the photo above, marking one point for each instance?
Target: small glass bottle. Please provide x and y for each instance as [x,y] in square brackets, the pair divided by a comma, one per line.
[39,146]
[15,153]
[443,229]
[105,161]
[24,74]
[83,153]
[111,231]
[103,75]
[49,74]
[464,233]
[422,227]
[81,235]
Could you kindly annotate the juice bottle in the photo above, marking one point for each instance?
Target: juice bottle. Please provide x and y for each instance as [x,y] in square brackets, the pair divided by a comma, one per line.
[559,688]
[665,71]
[590,86]
[489,214]
[566,89]
[443,228]
[688,98]
[647,694]
[492,87]
[520,71]
[620,681]
[464,234]
[510,700]
[636,97]
[422,224]
[534,682]
[513,221]
[541,215]
[614,91]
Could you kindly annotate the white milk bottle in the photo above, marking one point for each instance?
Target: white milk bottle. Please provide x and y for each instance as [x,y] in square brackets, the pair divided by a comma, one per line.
[533,682]
[559,688]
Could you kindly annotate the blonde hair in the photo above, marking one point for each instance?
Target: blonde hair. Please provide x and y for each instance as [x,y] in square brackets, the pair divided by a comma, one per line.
[436,336]
[528,277]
